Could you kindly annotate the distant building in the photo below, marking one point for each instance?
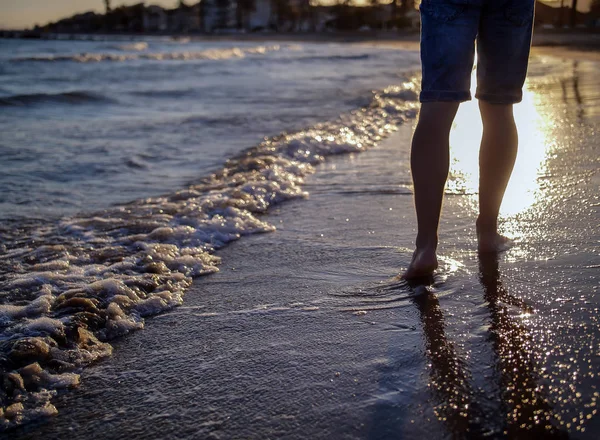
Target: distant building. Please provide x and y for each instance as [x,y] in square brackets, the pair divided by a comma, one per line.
[253,15]
[293,15]
[323,18]
[155,19]
[302,15]
[219,14]
[261,15]
[274,15]
[185,18]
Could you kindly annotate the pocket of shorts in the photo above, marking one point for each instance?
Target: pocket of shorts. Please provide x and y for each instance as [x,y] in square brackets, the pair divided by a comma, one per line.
[442,10]
[520,12]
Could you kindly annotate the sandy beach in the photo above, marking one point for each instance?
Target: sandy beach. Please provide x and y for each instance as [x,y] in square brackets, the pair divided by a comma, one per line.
[307,331]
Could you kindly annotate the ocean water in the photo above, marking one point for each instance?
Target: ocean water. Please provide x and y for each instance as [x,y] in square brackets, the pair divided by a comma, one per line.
[126,164]
[304,331]
[89,124]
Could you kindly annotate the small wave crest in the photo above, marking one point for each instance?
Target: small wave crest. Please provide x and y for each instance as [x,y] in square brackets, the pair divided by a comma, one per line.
[208,54]
[74,98]
[69,289]
[131,47]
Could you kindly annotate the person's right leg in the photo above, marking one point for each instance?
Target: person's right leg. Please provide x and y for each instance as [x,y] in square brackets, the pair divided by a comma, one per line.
[448,32]
[496,161]
[430,161]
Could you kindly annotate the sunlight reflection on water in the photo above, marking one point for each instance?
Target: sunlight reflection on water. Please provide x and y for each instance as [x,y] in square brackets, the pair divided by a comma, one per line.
[524,188]
[541,295]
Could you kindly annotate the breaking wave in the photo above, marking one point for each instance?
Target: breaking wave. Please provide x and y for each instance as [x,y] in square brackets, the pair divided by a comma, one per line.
[140,46]
[67,290]
[208,54]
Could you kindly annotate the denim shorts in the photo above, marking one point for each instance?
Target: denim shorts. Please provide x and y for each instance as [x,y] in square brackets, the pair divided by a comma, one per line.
[449,30]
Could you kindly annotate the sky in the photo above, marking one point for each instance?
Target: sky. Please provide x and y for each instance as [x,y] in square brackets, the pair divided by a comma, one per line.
[19,14]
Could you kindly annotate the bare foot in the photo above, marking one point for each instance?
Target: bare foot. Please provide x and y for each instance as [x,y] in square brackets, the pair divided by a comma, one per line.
[493,243]
[423,263]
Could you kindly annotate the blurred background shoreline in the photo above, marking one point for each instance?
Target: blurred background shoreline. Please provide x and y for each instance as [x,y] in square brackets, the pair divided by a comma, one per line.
[560,42]
[558,22]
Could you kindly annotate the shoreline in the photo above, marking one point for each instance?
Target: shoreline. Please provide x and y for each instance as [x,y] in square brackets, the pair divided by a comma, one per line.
[564,43]
[588,38]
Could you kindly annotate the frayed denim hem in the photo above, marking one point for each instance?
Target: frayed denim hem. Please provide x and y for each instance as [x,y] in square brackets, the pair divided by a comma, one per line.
[499,99]
[444,96]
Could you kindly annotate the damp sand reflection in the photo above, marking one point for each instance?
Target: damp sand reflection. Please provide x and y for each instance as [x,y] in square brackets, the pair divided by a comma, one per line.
[549,105]
[523,409]
[541,309]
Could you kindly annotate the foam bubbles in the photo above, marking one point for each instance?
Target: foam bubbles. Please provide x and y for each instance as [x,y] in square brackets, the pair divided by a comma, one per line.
[208,54]
[138,47]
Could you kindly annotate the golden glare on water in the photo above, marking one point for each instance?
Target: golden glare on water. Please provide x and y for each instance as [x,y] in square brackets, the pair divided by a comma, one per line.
[524,187]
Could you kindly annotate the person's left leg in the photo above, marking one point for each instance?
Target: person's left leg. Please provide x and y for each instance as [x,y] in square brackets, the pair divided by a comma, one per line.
[503,46]
[497,156]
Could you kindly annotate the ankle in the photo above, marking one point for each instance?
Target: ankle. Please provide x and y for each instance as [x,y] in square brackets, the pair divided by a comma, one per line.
[486,226]
[426,243]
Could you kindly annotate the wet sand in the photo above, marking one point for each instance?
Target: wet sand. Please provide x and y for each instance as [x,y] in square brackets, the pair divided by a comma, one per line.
[307,332]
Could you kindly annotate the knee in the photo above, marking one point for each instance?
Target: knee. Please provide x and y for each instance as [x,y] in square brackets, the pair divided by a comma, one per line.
[437,114]
[494,112]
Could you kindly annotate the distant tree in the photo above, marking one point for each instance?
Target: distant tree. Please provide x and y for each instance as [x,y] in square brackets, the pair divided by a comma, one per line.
[595,8]
[394,10]
[574,13]
[107,5]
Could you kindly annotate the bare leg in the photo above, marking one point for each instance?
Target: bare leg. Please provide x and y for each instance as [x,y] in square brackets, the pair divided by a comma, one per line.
[496,161]
[430,161]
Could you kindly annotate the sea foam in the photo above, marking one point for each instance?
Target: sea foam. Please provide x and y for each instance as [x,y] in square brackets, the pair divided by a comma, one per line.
[76,285]
[208,54]
[139,46]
